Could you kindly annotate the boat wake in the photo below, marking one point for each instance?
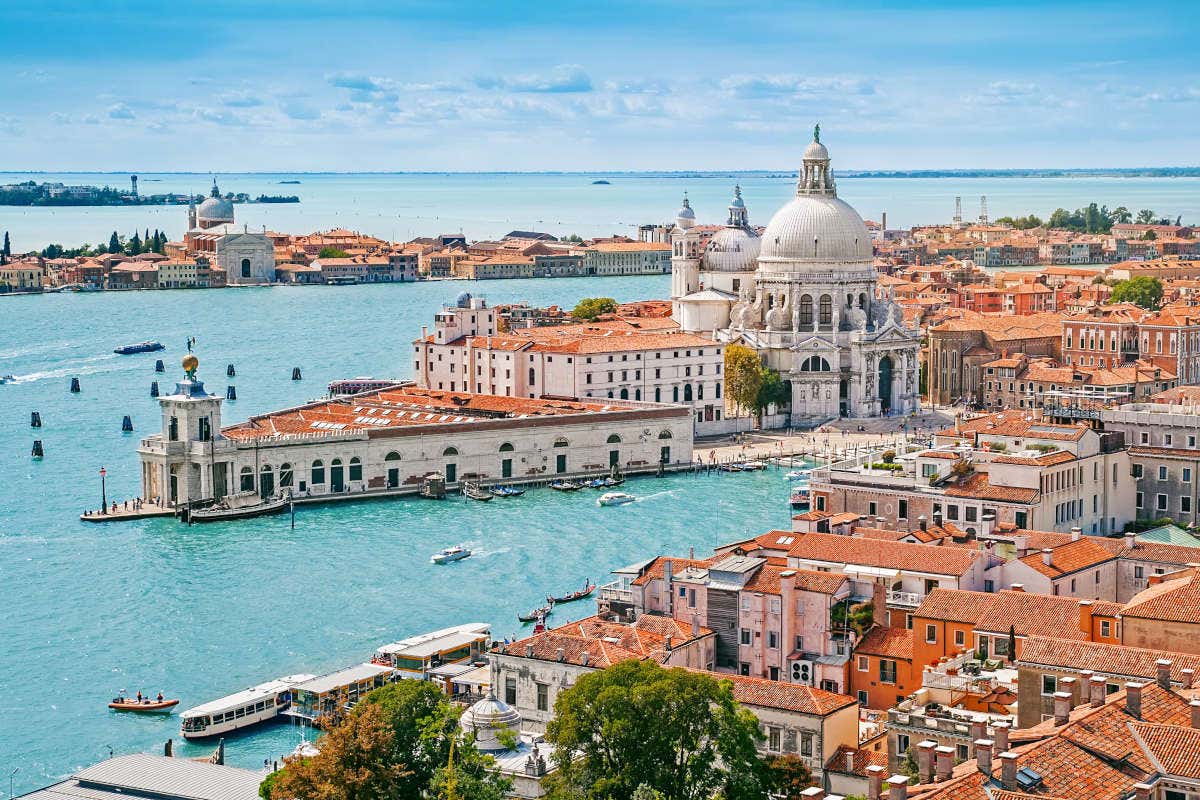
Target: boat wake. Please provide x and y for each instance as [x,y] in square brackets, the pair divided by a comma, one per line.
[664,493]
[84,366]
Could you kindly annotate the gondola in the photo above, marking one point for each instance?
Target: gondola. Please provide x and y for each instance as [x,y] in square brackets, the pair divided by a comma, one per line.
[573,596]
[538,613]
[565,486]
[476,492]
[507,491]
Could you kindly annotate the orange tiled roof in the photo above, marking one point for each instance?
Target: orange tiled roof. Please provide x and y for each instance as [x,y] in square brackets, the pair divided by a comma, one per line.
[1173,748]
[978,486]
[862,758]
[766,693]
[604,642]
[1174,599]
[955,605]
[1071,557]
[836,549]
[889,642]
[1032,614]
[1117,660]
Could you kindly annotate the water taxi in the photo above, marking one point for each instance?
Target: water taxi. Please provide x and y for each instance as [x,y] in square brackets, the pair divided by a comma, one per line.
[801,498]
[416,656]
[241,709]
[450,554]
[797,475]
[140,347]
[615,499]
[145,705]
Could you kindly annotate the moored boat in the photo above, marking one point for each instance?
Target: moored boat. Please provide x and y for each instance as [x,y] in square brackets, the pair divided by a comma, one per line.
[140,347]
[144,705]
[359,385]
[586,591]
[507,491]
[476,492]
[801,498]
[565,486]
[251,706]
[450,554]
[240,506]
[615,499]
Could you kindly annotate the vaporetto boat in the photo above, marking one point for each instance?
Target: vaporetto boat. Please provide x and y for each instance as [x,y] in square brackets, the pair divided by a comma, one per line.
[240,709]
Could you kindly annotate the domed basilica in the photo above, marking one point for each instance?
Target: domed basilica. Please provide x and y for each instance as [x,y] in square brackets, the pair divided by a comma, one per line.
[803,295]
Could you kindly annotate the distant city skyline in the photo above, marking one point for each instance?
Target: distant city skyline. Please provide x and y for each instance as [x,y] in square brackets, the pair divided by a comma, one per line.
[229,86]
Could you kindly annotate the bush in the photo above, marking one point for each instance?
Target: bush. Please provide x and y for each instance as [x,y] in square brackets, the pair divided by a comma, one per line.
[888,456]
[888,465]
[1044,448]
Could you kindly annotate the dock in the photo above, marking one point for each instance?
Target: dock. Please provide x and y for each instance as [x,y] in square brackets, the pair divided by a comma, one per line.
[123,514]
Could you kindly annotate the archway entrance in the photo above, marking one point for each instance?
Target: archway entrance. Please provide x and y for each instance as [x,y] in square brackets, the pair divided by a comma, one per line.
[337,480]
[885,385]
[844,398]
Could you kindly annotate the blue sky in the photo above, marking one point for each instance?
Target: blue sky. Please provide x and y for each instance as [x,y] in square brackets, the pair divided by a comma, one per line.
[229,85]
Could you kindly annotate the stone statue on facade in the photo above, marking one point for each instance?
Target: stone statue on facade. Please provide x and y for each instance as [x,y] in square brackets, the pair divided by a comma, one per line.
[779,318]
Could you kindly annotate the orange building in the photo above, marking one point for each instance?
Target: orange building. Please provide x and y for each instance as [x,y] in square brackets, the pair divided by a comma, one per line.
[882,672]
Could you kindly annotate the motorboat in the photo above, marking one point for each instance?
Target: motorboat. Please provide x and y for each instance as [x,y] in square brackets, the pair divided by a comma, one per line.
[140,347]
[586,591]
[7,379]
[797,475]
[565,486]
[615,499]
[145,705]
[730,468]
[611,482]
[450,554]
[243,505]
[801,498]
[507,491]
[260,703]
[538,614]
[594,483]
[476,492]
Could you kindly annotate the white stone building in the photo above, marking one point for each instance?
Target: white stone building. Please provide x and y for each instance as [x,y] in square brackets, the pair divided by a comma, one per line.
[388,441]
[804,296]
[246,257]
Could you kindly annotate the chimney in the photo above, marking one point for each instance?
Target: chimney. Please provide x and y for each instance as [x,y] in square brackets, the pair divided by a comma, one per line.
[978,729]
[875,782]
[1017,587]
[813,793]
[898,787]
[1188,677]
[937,518]
[1133,699]
[1130,540]
[529,651]
[1021,545]
[925,751]
[1163,673]
[1076,533]
[1000,737]
[1194,706]
[1062,708]
[850,761]
[1071,686]
[944,762]
[1097,689]
[1008,769]
[561,654]
[879,604]
[1047,556]
[924,523]
[667,591]
[667,642]
[983,755]
[1085,617]
[1141,791]
[583,658]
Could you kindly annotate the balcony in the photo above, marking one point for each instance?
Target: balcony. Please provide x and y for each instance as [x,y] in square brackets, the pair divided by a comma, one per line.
[615,592]
[905,599]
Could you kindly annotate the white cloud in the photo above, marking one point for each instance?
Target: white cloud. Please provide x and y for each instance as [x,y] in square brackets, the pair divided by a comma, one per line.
[296,109]
[772,85]
[120,111]
[565,78]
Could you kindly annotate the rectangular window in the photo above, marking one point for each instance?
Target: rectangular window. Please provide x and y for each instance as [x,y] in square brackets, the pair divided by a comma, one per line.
[1160,502]
[510,691]
[1105,628]
[1138,500]
[1185,504]
[903,512]
[543,697]
[931,634]
[772,640]
[872,509]
[1187,474]
[887,671]
[1162,473]
[773,735]
[1049,685]
[960,638]
[864,664]
[745,636]
[806,745]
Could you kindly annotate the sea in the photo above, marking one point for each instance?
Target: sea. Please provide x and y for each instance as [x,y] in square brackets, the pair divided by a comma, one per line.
[401,206]
[200,612]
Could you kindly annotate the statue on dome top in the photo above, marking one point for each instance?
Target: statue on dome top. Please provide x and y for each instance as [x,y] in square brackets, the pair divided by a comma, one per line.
[817,133]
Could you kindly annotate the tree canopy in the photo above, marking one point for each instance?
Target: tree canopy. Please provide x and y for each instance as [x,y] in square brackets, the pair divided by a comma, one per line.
[1143,290]
[639,727]
[743,376]
[332,252]
[589,308]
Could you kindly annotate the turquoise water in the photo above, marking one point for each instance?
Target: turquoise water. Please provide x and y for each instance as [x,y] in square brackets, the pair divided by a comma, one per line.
[402,206]
[200,612]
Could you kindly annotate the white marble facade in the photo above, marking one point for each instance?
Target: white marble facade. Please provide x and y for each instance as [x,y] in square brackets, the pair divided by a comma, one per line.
[806,300]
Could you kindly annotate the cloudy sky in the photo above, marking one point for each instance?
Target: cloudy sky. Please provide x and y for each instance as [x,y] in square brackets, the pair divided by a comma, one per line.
[229,85]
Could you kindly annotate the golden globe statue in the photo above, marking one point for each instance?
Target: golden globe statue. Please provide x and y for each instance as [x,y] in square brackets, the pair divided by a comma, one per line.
[190,362]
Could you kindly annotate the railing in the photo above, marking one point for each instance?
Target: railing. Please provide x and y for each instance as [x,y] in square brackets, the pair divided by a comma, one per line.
[615,592]
[909,599]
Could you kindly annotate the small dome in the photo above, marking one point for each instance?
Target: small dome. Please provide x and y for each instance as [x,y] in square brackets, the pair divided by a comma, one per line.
[738,202]
[732,250]
[815,152]
[215,210]
[486,719]
[463,300]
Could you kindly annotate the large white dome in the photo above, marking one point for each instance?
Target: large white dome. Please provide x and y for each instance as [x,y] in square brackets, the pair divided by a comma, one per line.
[732,250]
[815,229]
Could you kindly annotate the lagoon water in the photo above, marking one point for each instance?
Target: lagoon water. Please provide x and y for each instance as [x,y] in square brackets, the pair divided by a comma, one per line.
[401,206]
[199,612]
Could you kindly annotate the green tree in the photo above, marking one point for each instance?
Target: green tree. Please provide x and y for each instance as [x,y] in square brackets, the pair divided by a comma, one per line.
[114,243]
[1149,235]
[638,724]
[589,308]
[772,391]
[743,376]
[135,244]
[332,252]
[1121,214]
[6,252]
[468,775]
[788,776]
[1146,216]
[1143,290]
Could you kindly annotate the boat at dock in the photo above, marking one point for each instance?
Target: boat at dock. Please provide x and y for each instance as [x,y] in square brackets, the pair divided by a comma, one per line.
[450,554]
[144,706]
[801,498]
[140,347]
[615,499]
[797,475]
[586,591]
[565,486]
[416,656]
[260,703]
[507,491]
[240,506]
[327,699]
[476,492]
[538,614]
[359,385]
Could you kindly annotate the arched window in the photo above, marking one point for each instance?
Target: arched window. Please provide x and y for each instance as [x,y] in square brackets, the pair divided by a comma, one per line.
[624,394]
[286,476]
[699,391]
[532,376]
[247,479]
[450,451]
[245,268]
[806,311]
[506,448]
[675,394]
[613,439]
[687,393]
[826,312]
[392,456]
[814,364]
[637,394]
[393,471]
[665,435]
[658,394]
[318,471]
[356,469]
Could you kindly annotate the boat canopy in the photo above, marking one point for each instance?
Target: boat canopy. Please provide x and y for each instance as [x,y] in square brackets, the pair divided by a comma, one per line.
[247,696]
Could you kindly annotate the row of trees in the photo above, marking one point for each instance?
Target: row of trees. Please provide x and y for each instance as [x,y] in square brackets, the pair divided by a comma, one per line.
[130,246]
[633,730]
[1090,219]
[750,383]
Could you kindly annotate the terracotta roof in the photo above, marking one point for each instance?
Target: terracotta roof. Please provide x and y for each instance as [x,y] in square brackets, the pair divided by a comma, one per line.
[809,580]
[955,605]
[766,693]
[1070,557]
[657,568]
[605,642]
[1178,554]
[889,642]
[978,486]
[1117,660]
[1174,600]
[862,758]
[1032,614]
[1174,750]
[836,549]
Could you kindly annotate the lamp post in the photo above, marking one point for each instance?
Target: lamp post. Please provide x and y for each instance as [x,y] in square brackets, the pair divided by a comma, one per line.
[103,491]
[11,775]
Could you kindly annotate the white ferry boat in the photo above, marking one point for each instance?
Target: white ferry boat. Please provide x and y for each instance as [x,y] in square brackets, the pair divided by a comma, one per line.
[240,709]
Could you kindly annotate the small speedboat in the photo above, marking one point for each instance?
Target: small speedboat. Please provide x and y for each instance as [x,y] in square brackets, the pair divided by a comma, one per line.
[140,347]
[611,482]
[7,379]
[144,705]
[730,468]
[594,483]
[507,491]
[615,499]
[796,475]
[565,486]
[801,498]
[450,554]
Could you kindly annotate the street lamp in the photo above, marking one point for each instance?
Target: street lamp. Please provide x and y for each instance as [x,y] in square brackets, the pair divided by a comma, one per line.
[103,492]
[10,782]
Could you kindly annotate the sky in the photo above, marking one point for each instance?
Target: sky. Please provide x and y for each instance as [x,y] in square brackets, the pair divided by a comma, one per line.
[347,85]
